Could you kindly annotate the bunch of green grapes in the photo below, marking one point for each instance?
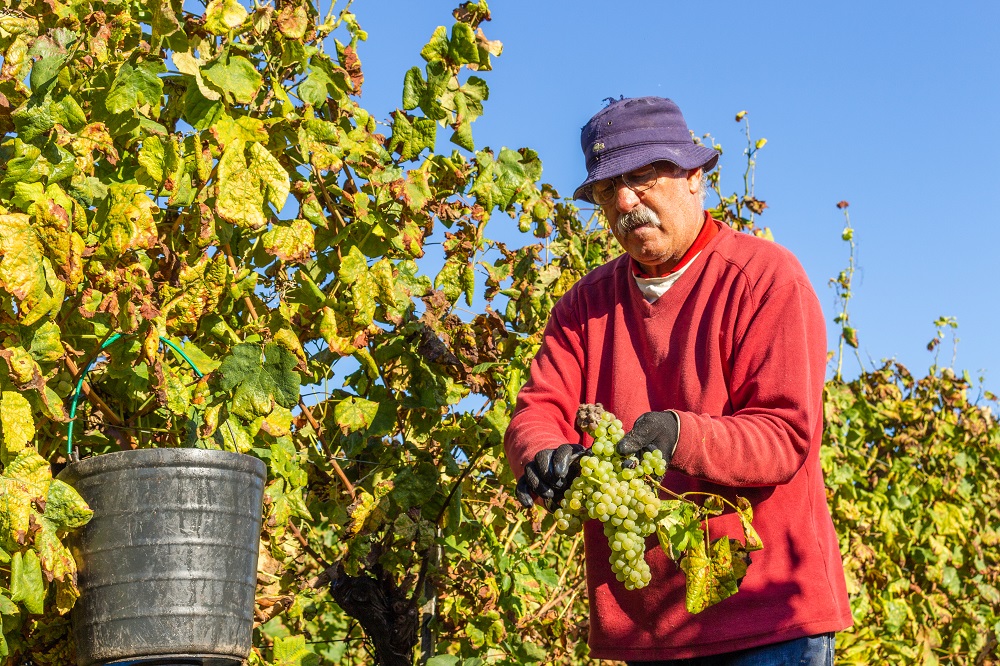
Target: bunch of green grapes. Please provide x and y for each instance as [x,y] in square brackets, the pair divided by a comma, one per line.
[611,489]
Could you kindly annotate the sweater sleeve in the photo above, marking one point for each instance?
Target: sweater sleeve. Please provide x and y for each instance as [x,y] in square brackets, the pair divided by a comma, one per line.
[545,414]
[775,388]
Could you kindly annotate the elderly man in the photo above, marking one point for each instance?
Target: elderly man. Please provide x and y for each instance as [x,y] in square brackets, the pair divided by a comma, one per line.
[710,346]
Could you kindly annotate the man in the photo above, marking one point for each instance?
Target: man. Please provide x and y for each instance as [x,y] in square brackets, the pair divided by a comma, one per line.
[710,346]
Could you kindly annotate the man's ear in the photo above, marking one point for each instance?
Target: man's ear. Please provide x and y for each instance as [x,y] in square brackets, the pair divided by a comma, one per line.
[694,180]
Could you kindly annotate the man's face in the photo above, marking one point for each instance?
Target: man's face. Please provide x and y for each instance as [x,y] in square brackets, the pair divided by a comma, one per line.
[657,226]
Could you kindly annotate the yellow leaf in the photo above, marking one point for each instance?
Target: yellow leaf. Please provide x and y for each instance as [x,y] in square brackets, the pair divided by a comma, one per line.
[17,422]
[222,16]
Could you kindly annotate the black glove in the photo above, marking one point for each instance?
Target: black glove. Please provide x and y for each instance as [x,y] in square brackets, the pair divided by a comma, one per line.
[652,431]
[550,474]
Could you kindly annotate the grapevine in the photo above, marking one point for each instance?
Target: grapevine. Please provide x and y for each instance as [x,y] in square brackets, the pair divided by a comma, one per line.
[621,492]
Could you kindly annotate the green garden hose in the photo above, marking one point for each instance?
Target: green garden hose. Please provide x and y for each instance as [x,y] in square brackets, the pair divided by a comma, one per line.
[83,375]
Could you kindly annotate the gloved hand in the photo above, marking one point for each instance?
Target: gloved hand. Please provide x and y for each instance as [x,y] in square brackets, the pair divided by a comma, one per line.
[550,474]
[652,431]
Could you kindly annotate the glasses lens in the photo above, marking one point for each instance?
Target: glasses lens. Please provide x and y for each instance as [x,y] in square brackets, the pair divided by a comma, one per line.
[641,179]
[603,191]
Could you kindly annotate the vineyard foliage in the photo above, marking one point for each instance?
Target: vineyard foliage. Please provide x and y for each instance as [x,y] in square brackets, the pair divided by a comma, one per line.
[212,180]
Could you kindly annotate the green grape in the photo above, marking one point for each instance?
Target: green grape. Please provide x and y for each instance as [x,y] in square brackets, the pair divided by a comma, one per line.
[612,489]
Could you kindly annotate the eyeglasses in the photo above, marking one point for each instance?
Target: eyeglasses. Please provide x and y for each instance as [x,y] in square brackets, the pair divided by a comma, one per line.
[604,191]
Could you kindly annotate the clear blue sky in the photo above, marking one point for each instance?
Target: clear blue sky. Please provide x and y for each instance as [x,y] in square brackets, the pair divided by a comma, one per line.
[892,106]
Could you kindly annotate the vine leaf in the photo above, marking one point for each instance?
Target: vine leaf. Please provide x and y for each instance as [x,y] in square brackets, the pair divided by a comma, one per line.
[710,577]
[255,379]
[292,242]
[128,215]
[223,16]
[245,187]
[411,135]
[235,77]
[745,512]
[16,421]
[26,584]
[64,507]
[33,509]
[358,512]
[713,505]
[292,651]
[679,527]
[136,87]
[23,266]
[354,414]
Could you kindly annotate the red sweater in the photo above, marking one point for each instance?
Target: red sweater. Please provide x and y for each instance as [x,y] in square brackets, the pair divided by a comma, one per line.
[737,347]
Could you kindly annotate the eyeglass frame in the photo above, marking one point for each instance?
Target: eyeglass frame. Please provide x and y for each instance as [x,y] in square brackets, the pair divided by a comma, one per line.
[635,188]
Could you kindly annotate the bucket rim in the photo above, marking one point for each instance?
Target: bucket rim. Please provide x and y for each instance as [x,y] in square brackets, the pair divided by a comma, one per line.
[154,457]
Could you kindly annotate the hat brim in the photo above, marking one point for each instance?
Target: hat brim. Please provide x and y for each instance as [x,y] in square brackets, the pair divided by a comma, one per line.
[628,158]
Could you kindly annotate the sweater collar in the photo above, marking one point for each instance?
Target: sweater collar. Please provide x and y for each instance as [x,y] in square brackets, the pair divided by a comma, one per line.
[708,231]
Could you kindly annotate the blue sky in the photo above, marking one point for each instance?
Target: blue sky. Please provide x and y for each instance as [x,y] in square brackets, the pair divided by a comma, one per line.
[892,106]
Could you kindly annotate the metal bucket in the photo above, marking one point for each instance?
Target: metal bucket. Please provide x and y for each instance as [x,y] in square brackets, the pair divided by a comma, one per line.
[168,564]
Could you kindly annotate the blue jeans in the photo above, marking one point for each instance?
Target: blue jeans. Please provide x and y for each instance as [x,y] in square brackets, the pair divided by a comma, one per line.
[808,651]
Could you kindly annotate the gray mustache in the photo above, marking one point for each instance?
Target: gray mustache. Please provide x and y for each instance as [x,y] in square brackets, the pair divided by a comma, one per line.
[640,216]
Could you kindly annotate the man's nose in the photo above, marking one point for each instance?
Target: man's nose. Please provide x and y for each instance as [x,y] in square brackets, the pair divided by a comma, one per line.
[625,198]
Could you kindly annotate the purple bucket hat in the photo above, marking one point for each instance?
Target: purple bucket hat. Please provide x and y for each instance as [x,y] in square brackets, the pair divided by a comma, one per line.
[631,133]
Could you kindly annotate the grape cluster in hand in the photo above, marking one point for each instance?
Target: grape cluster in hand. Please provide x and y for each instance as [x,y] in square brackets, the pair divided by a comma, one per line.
[611,489]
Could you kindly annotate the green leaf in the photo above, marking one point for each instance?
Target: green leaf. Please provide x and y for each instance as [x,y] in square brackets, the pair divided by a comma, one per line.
[292,651]
[45,344]
[202,361]
[325,80]
[65,508]
[449,278]
[415,485]
[896,612]
[355,414]
[413,88]
[235,77]
[500,181]
[164,18]
[444,660]
[45,70]
[437,47]
[26,584]
[381,274]
[411,135]
[462,48]
[136,87]
[161,162]
[258,378]
[33,119]
[191,65]
[678,527]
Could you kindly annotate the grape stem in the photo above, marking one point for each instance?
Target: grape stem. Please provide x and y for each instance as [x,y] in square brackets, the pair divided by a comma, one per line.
[684,497]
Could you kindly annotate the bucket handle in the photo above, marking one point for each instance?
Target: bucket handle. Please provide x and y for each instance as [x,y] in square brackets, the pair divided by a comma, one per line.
[83,375]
